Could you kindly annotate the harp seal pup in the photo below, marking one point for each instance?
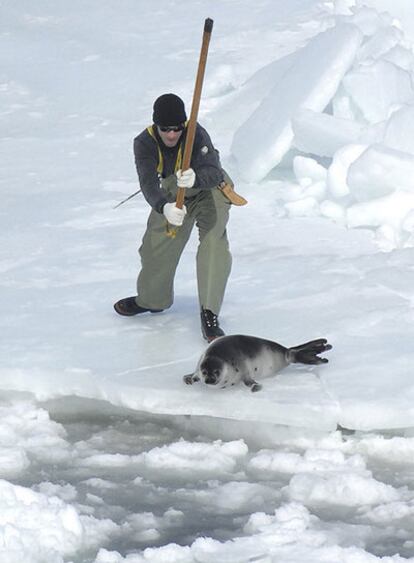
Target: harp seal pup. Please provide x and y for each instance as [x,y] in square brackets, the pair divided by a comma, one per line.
[228,360]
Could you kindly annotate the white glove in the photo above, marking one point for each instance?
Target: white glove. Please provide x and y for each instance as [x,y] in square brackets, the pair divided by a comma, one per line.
[186,178]
[174,215]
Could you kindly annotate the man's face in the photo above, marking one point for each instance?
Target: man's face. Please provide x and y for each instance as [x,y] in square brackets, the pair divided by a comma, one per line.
[170,135]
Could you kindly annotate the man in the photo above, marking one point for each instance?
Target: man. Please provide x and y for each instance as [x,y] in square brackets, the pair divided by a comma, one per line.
[158,152]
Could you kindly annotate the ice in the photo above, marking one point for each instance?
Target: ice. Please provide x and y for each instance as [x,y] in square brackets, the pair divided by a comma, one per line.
[35,526]
[268,464]
[300,274]
[289,534]
[238,105]
[26,435]
[337,177]
[379,171]
[308,171]
[374,134]
[378,89]
[400,56]
[388,210]
[322,134]
[382,42]
[399,131]
[201,460]
[339,489]
[369,19]
[306,206]
[310,83]
[399,10]
[333,211]
[161,390]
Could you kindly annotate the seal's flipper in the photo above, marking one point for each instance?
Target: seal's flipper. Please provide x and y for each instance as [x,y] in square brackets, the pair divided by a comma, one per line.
[254,386]
[308,353]
[190,378]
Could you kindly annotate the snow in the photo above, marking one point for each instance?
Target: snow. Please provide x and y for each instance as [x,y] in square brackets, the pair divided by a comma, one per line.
[381,43]
[322,134]
[399,132]
[376,90]
[401,12]
[337,176]
[49,524]
[105,455]
[378,171]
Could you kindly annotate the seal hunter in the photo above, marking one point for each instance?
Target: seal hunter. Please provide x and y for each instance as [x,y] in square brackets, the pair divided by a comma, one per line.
[234,358]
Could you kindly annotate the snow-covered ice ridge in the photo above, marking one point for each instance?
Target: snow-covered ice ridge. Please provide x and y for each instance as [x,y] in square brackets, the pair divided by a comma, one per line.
[343,108]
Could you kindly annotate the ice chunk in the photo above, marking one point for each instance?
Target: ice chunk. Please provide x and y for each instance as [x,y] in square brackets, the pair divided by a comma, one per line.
[195,461]
[342,489]
[35,523]
[408,223]
[342,7]
[376,89]
[306,207]
[344,108]
[373,133]
[399,133]
[402,11]
[237,106]
[384,40]
[391,209]
[322,134]
[388,238]
[308,171]
[400,56]
[332,211]
[369,20]
[311,82]
[338,171]
[379,171]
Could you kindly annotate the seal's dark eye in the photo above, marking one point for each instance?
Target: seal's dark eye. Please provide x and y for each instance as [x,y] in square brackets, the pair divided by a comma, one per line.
[216,372]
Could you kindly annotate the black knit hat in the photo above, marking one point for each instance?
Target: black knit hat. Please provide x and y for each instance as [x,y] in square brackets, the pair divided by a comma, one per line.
[169,110]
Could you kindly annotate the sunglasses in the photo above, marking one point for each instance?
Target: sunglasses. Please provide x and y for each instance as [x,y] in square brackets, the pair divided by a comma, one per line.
[175,128]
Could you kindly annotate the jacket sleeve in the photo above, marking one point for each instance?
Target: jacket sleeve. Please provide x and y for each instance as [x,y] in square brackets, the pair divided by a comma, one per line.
[205,161]
[146,162]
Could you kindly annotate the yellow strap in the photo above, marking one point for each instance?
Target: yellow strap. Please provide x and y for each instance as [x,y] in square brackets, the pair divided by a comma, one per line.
[160,166]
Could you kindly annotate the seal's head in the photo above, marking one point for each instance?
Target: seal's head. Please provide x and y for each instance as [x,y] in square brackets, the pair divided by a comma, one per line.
[212,370]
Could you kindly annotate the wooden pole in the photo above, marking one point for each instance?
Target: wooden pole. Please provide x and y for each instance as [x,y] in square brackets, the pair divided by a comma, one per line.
[192,123]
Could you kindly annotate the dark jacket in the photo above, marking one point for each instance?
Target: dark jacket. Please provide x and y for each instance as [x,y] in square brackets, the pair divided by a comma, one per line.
[205,162]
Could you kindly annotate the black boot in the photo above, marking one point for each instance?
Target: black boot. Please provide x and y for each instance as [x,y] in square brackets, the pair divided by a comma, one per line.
[128,307]
[210,325]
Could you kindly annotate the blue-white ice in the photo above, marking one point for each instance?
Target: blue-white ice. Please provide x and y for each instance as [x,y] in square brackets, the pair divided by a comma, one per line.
[310,82]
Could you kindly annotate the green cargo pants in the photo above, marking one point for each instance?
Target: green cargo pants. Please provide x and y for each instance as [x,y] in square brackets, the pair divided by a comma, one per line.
[160,254]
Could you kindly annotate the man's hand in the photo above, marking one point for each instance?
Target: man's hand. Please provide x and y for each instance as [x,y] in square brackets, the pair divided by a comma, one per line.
[186,178]
[174,215]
